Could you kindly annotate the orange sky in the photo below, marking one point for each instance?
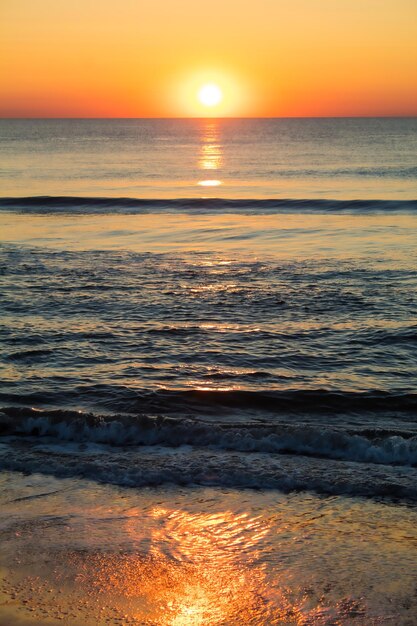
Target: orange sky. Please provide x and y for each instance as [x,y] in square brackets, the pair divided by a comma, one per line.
[148,58]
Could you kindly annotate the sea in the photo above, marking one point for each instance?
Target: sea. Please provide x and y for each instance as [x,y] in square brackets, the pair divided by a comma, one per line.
[209,371]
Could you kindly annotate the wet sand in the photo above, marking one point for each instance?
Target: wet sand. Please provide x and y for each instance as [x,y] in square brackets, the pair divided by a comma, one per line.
[75,552]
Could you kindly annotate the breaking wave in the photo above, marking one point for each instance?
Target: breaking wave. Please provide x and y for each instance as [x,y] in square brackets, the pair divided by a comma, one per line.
[363,445]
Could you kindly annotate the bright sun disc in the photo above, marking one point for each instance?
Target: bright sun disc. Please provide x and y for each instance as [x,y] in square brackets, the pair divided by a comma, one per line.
[210,95]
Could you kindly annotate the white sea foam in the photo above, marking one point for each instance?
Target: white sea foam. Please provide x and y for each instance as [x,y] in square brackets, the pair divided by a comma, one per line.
[302,439]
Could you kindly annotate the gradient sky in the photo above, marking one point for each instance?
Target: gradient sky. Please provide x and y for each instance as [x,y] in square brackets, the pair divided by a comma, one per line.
[147,58]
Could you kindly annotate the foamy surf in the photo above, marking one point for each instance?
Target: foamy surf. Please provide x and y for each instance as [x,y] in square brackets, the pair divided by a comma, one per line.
[308,439]
[144,451]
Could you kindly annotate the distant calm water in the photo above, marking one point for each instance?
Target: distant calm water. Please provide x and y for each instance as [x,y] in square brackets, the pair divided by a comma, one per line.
[216,305]
[259,158]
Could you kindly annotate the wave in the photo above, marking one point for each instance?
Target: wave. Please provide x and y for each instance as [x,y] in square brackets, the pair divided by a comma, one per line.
[208,467]
[28,355]
[121,398]
[101,205]
[379,446]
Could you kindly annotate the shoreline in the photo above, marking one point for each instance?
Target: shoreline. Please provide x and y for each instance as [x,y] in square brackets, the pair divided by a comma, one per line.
[76,552]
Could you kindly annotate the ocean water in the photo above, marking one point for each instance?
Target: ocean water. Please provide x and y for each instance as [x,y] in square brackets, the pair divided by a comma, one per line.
[192,311]
[319,159]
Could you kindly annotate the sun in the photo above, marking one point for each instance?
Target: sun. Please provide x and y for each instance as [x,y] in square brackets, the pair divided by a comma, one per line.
[209,92]
[210,95]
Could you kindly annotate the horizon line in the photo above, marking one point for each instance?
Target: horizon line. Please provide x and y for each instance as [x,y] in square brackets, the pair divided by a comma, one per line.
[228,117]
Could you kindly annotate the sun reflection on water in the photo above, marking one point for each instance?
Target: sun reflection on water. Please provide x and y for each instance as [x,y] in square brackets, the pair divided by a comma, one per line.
[211,152]
[162,562]
[196,574]
[209,183]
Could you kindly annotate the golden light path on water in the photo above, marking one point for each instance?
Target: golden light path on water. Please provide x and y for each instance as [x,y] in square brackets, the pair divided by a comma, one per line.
[210,183]
[82,554]
[188,569]
[207,584]
[211,152]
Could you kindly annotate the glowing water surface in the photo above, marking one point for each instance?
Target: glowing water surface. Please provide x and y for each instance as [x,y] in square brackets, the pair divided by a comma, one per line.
[75,552]
[253,158]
